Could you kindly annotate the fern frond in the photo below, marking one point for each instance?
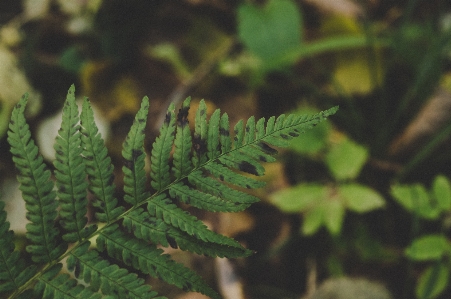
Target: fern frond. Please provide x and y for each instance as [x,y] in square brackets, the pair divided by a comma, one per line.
[109,278]
[37,189]
[161,150]
[56,285]
[70,174]
[183,143]
[205,169]
[134,156]
[162,208]
[98,167]
[13,272]
[156,231]
[150,260]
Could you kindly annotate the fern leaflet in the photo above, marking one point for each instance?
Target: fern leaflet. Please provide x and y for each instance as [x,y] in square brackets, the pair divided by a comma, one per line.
[150,260]
[37,190]
[155,230]
[98,166]
[55,285]
[134,156]
[101,274]
[13,272]
[70,174]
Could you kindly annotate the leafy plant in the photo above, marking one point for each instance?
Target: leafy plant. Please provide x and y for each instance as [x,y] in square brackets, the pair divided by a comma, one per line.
[205,165]
[434,248]
[325,204]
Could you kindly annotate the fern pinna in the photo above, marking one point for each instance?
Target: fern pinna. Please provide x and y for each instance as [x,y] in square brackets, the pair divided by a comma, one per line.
[198,168]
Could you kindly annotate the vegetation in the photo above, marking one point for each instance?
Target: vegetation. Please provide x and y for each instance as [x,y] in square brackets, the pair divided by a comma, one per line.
[364,196]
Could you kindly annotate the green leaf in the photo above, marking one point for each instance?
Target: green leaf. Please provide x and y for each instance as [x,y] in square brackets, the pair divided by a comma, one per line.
[334,213]
[151,260]
[430,247]
[37,189]
[13,271]
[360,199]
[270,32]
[415,198]
[62,286]
[182,164]
[441,189]
[70,174]
[98,167]
[298,198]
[134,158]
[346,159]
[433,282]
[313,219]
[200,135]
[151,229]
[162,208]
[161,149]
[110,278]
[206,201]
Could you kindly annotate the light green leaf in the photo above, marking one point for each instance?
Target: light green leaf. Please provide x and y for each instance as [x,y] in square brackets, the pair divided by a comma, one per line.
[415,198]
[361,199]
[442,191]
[270,32]
[430,247]
[346,159]
[432,282]
[299,197]
[312,220]
[334,213]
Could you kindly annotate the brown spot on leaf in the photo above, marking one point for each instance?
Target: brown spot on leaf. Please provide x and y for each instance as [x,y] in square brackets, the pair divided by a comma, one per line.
[136,153]
[224,132]
[182,116]
[167,119]
[129,164]
[199,145]
[171,241]
[247,167]
[267,149]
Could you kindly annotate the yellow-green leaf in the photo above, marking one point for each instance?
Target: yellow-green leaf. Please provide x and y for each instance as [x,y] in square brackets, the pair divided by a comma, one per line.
[298,198]
[433,282]
[361,199]
[430,247]
[346,159]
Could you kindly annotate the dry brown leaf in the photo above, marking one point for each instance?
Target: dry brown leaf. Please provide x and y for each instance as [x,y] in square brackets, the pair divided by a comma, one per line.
[431,118]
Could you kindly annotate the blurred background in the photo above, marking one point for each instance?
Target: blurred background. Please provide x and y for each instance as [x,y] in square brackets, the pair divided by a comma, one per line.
[366,195]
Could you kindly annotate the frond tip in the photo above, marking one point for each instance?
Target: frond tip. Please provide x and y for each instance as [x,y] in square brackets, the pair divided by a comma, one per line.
[209,168]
